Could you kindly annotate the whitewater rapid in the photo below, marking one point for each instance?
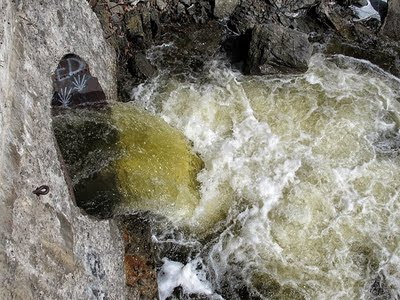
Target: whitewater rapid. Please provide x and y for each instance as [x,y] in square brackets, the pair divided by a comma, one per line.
[299,195]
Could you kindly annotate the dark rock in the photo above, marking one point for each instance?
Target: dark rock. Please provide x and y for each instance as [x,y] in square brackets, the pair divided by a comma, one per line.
[191,10]
[358,39]
[293,6]
[384,55]
[155,24]
[359,3]
[250,13]
[275,49]
[339,17]
[193,45]
[141,67]
[391,26]
[283,12]
[139,259]
[134,26]
[381,7]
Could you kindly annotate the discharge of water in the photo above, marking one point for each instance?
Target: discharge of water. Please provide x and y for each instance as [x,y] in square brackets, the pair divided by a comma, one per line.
[299,194]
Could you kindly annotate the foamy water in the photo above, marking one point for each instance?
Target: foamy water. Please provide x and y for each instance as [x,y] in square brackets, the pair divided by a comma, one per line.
[300,190]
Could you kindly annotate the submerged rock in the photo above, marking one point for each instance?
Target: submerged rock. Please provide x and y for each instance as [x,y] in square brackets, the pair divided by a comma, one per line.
[275,49]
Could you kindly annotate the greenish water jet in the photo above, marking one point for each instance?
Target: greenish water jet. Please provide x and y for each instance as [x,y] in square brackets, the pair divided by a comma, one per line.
[121,158]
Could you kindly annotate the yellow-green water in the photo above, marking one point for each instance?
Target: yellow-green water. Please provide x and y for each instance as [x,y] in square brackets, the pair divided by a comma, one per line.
[157,169]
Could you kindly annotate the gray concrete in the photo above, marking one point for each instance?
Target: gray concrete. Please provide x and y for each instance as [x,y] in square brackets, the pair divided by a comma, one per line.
[48,249]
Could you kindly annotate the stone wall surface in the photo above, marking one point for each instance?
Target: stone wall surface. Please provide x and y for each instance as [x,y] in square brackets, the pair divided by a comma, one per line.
[48,248]
[391,27]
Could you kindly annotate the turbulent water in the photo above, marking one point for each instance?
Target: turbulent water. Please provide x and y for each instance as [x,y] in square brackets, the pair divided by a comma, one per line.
[300,188]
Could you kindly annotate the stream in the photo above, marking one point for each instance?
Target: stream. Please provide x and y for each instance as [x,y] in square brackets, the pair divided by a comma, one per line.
[299,194]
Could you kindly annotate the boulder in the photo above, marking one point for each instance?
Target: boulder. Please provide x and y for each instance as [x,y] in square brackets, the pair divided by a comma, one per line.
[276,49]
[391,26]
[224,8]
[141,66]
[48,248]
[338,17]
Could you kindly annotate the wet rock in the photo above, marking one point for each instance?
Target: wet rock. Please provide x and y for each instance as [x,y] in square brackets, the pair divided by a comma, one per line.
[275,49]
[141,67]
[134,26]
[139,258]
[101,145]
[192,45]
[339,17]
[383,56]
[88,145]
[292,14]
[224,8]
[358,38]
[391,26]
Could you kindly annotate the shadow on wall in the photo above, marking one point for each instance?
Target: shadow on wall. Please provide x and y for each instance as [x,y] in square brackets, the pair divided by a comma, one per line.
[85,136]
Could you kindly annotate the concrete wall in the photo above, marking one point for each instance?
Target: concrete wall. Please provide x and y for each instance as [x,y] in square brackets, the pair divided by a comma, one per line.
[48,249]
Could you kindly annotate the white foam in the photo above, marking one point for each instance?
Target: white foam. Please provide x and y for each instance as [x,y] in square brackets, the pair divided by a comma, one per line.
[192,280]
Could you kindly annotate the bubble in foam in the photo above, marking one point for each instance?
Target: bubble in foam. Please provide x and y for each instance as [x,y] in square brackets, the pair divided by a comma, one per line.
[190,277]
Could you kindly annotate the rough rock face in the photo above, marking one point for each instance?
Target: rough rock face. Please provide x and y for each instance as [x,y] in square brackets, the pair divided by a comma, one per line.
[293,6]
[275,49]
[141,278]
[48,249]
[224,8]
[290,13]
[391,27]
